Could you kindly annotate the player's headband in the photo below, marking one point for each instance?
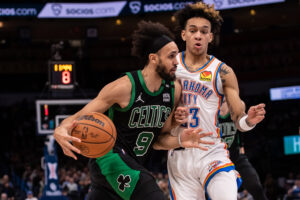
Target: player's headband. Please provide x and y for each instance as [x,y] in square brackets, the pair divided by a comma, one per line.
[158,43]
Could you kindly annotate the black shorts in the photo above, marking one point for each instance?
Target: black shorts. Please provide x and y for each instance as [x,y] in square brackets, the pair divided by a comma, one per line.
[118,176]
[250,177]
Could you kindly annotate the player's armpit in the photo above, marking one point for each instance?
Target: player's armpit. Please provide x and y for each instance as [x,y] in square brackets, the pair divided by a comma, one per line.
[172,120]
[177,95]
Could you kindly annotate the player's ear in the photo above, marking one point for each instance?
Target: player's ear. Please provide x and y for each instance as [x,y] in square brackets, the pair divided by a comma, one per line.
[211,37]
[153,58]
[183,35]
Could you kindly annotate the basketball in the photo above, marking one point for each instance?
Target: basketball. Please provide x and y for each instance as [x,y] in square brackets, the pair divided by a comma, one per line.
[97,133]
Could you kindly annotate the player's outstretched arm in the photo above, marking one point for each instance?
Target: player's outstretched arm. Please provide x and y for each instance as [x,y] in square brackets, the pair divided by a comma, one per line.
[117,91]
[188,138]
[242,121]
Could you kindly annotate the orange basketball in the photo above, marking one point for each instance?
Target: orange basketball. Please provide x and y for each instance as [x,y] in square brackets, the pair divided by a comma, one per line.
[97,133]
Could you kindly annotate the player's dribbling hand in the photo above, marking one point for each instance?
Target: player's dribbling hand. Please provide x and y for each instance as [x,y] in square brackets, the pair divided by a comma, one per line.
[63,138]
[181,114]
[256,114]
[192,138]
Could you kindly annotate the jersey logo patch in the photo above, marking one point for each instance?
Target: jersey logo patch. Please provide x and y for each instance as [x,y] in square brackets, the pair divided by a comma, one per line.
[166,97]
[123,182]
[205,76]
[140,98]
[213,165]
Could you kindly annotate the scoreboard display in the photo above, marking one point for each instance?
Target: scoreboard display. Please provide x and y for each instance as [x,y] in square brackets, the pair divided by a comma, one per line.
[51,112]
[61,74]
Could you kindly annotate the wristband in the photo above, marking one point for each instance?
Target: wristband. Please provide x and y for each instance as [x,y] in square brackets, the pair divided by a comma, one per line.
[243,124]
[179,140]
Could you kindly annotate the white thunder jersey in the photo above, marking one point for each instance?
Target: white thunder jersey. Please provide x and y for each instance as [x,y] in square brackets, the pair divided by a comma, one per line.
[191,170]
[202,92]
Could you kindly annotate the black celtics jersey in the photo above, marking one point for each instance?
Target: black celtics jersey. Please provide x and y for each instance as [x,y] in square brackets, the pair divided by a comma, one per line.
[139,124]
[230,135]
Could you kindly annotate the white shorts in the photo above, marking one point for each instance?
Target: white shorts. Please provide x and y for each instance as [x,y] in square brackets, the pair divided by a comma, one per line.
[190,170]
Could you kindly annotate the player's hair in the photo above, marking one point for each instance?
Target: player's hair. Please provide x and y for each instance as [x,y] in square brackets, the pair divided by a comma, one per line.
[199,9]
[143,38]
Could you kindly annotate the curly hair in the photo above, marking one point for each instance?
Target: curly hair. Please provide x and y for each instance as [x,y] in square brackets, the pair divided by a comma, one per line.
[199,9]
[144,36]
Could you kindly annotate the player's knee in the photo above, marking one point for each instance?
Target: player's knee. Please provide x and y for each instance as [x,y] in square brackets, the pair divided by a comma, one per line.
[222,194]
[223,186]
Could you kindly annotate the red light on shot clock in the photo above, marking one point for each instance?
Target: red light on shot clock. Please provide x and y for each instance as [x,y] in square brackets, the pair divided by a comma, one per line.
[46,110]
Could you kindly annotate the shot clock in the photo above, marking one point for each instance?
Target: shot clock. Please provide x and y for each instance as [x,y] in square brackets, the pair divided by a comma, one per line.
[61,74]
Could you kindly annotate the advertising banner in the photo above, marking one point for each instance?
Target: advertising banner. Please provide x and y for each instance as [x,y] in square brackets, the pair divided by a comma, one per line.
[113,9]
[82,10]
[20,10]
[229,4]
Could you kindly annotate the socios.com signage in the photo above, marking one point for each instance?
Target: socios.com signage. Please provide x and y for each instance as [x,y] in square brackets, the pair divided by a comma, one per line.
[113,9]
[82,10]
[20,10]
[137,6]
[228,4]
[109,9]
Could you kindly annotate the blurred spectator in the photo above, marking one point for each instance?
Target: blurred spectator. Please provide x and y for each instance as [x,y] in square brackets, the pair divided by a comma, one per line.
[294,192]
[245,195]
[65,192]
[9,190]
[290,180]
[270,187]
[5,179]
[84,184]
[72,185]
[30,196]
[73,189]
[4,196]
[164,186]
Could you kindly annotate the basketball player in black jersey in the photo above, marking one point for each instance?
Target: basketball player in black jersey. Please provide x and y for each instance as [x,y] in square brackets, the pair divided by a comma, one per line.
[233,139]
[140,105]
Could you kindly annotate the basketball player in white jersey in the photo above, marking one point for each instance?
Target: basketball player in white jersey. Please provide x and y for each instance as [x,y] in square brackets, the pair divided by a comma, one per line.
[205,80]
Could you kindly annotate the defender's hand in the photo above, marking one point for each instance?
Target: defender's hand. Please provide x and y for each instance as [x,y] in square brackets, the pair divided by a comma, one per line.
[192,138]
[63,138]
[256,114]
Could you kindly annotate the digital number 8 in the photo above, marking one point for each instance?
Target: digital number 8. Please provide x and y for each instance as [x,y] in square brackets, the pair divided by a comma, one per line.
[66,77]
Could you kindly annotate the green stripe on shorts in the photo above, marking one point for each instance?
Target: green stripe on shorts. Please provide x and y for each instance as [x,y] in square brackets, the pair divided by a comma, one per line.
[118,174]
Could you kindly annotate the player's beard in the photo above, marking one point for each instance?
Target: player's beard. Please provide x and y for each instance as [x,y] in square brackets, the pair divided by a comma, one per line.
[161,70]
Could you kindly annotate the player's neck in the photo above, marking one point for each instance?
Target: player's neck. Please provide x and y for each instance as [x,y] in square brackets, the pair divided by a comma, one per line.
[152,79]
[194,62]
